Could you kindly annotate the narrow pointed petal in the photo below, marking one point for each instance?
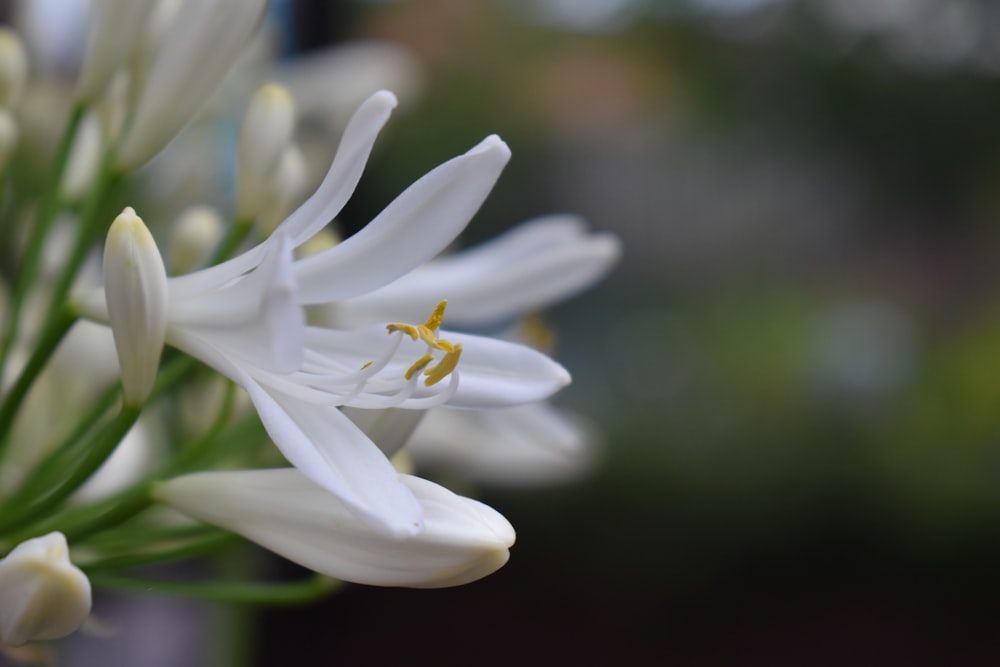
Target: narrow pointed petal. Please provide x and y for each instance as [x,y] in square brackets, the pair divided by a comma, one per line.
[317,211]
[415,227]
[497,281]
[463,540]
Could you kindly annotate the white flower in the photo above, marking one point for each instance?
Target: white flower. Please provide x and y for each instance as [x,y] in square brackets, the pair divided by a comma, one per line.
[462,540]
[135,287]
[245,318]
[191,49]
[42,594]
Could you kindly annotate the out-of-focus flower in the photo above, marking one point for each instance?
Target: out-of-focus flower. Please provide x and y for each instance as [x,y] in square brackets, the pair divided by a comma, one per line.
[462,540]
[42,594]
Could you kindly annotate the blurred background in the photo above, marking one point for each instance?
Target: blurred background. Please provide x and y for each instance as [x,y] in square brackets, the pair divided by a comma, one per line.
[795,370]
[796,367]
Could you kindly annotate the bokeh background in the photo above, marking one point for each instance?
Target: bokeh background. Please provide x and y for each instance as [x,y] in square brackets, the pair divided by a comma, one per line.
[796,367]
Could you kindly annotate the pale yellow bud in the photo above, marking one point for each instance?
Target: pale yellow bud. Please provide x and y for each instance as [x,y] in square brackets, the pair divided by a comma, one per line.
[193,237]
[264,136]
[42,594]
[288,183]
[13,68]
[135,288]
[9,135]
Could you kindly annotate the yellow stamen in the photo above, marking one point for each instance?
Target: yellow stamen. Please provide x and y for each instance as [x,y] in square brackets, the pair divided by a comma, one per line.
[408,329]
[447,364]
[434,321]
[419,365]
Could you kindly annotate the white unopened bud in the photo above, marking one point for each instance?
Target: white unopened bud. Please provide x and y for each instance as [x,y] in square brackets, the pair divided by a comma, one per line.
[265,134]
[460,540]
[42,594]
[9,135]
[13,68]
[135,287]
[84,158]
[193,237]
[287,186]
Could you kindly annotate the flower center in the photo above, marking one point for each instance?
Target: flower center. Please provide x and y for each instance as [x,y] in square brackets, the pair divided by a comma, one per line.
[427,332]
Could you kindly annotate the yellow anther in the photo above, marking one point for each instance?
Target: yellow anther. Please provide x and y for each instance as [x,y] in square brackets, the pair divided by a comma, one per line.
[367,364]
[408,329]
[419,365]
[537,333]
[434,321]
[447,364]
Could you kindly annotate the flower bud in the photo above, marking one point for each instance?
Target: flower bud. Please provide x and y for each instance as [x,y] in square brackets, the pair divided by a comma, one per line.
[9,135]
[42,594]
[193,237]
[460,540]
[135,286]
[287,185]
[13,68]
[84,159]
[265,134]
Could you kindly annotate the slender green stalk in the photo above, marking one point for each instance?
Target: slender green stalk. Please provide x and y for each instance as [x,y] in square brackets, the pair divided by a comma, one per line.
[238,232]
[191,548]
[28,271]
[47,343]
[245,592]
[21,510]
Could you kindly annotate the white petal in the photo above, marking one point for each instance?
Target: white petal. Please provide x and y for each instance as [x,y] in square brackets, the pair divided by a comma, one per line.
[326,446]
[524,445]
[415,227]
[317,211]
[495,373]
[463,540]
[256,317]
[499,280]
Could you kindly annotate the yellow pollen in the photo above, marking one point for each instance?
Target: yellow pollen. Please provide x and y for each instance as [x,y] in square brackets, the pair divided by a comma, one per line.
[408,329]
[419,365]
[427,332]
[447,364]
[367,364]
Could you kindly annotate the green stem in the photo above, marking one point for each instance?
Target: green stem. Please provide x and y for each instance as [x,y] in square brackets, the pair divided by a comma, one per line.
[47,343]
[245,592]
[21,510]
[189,549]
[28,271]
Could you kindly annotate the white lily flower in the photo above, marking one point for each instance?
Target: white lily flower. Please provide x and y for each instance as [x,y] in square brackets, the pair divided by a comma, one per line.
[462,539]
[245,318]
[42,594]
[193,47]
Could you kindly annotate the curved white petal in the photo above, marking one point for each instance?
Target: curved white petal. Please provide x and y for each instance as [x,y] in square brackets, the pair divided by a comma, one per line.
[519,446]
[415,227]
[317,211]
[463,540]
[490,284]
[325,445]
